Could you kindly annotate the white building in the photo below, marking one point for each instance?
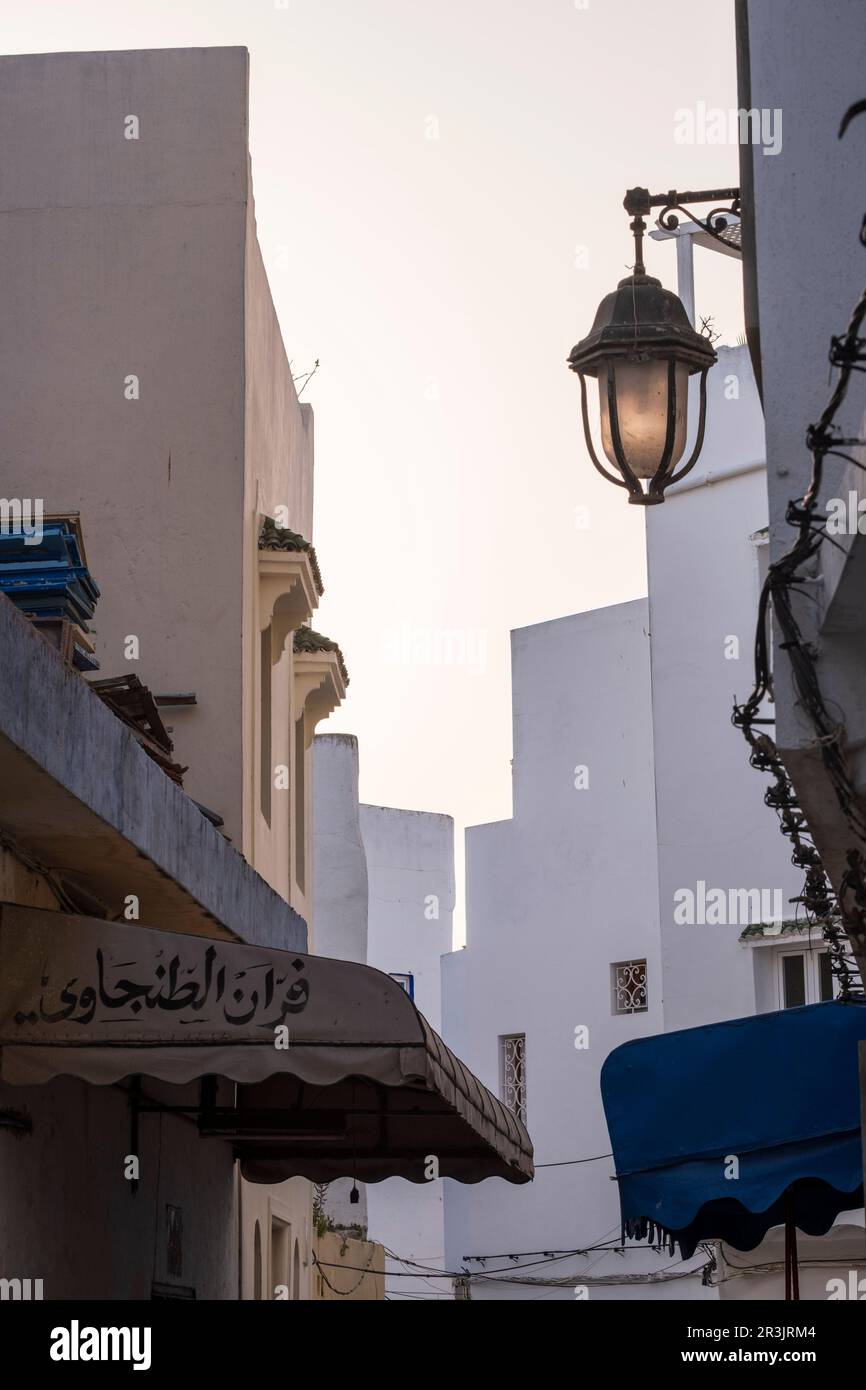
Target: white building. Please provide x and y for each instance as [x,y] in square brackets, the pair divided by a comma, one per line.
[706,551]
[384,892]
[802,215]
[559,899]
[633,800]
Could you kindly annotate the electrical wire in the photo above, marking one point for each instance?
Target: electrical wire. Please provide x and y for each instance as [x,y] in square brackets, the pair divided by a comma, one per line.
[842,916]
[412,1270]
[567,1162]
[34,866]
[343,1293]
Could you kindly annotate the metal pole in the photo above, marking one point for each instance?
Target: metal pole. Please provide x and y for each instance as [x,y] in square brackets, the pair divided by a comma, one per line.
[686,275]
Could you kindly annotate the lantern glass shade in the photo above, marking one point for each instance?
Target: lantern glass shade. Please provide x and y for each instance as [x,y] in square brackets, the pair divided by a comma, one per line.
[640,390]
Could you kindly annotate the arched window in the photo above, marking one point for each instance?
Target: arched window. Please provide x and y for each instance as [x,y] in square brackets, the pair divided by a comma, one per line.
[296,1272]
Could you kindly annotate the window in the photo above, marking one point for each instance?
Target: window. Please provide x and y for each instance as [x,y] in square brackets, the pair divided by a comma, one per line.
[406,982]
[761,541]
[805,977]
[266,772]
[512,1073]
[257,1262]
[281,1235]
[793,981]
[628,991]
[174,1242]
[300,804]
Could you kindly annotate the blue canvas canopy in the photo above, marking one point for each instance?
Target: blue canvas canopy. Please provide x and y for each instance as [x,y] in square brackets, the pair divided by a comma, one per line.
[777,1092]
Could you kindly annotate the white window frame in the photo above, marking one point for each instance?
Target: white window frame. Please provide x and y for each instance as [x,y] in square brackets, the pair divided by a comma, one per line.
[279,1213]
[761,543]
[406,980]
[811,973]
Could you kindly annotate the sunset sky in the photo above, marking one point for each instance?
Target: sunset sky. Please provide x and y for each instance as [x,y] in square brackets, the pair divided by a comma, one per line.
[438,191]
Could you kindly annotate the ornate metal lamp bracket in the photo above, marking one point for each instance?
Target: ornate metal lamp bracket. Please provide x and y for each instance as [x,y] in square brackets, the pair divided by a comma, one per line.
[639,202]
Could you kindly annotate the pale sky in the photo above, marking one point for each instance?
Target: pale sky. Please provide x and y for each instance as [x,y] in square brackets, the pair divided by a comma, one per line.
[439,199]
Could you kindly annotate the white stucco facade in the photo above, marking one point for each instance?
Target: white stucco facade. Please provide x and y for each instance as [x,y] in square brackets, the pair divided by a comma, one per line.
[410,865]
[555,897]
[642,695]
[340,875]
[384,895]
[705,551]
[804,275]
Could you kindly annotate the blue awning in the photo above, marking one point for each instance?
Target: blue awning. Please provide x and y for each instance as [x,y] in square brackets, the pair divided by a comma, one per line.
[778,1092]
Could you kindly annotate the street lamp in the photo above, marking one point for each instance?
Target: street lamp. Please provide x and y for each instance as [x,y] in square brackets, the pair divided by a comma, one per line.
[642,349]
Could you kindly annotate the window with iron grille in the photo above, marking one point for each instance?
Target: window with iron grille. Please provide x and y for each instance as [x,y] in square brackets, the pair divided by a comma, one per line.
[512,1073]
[628,987]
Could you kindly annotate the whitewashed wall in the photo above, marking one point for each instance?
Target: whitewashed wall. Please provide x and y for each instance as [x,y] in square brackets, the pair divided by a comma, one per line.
[807,204]
[643,695]
[384,894]
[410,867]
[410,864]
[554,897]
[712,824]
[339,894]
[339,860]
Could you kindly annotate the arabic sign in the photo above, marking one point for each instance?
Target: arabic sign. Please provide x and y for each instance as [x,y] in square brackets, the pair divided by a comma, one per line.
[104,1000]
[70,979]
